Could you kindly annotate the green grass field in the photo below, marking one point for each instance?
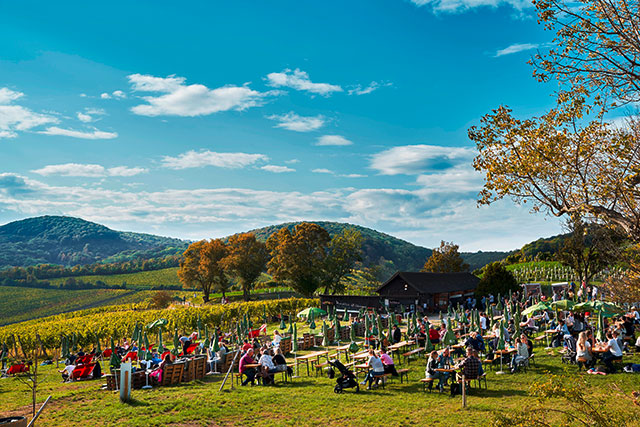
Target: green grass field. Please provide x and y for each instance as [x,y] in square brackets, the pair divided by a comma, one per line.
[164,277]
[311,401]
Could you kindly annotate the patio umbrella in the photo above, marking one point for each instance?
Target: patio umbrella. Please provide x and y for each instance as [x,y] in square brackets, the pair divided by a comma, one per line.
[374,326]
[199,327]
[325,330]
[114,362]
[541,306]
[380,331]
[282,324]
[134,335]
[205,343]
[585,306]
[312,323]
[608,308]
[500,345]
[336,331]
[390,333]
[563,304]
[600,331]
[215,346]
[157,323]
[176,342]
[449,337]
[160,345]
[64,344]
[428,345]
[290,330]
[353,347]
[98,349]
[311,311]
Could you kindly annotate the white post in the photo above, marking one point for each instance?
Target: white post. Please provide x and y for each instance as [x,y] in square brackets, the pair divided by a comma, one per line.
[464,392]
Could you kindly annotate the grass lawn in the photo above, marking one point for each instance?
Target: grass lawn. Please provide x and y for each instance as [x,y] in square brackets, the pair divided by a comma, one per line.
[310,401]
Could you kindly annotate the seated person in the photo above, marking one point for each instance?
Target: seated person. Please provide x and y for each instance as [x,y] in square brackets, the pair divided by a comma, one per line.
[66,372]
[527,342]
[158,373]
[583,349]
[475,341]
[246,345]
[397,334]
[434,335]
[267,367]
[613,351]
[250,373]
[470,366]
[430,371]
[521,356]
[281,362]
[529,324]
[387,361]
[375,368]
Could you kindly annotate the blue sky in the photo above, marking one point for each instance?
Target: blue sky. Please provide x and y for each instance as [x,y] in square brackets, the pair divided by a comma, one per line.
[211,118]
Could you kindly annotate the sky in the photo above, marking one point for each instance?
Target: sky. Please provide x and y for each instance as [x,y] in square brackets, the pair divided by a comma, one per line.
[203,119]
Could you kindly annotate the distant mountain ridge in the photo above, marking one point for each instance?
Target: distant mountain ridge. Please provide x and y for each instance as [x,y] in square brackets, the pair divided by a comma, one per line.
[73,241]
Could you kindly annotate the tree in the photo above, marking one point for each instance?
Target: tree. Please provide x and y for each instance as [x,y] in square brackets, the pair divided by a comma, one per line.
[299,258]
[589,249]
[161,299]
[597,45]
[496,279]
[246,260]
[445,259]
[200,267]
[345,249]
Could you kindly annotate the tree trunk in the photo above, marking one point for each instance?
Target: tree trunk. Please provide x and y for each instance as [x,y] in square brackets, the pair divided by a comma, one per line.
[245,292]
[44,351]
[15,347]
[22,348]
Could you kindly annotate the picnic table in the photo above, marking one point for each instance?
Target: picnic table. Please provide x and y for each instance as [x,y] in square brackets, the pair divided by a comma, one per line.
[362,367]
[308,357]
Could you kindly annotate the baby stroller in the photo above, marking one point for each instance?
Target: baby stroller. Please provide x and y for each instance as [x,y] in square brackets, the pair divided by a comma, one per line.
[346,379]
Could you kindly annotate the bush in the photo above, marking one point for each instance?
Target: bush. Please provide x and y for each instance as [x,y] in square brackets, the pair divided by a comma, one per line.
[161,299]
[496,279]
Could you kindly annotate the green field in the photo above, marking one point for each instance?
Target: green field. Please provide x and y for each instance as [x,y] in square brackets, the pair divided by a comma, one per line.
[310,400]
[164,277]
[20,304]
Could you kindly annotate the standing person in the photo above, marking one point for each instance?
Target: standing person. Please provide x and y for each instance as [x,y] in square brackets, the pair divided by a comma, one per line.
[276,338]
[387,361]
[250,373]
[375,368]
[483,322]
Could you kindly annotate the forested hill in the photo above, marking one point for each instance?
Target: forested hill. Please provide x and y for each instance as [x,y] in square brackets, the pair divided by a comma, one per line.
[71,241]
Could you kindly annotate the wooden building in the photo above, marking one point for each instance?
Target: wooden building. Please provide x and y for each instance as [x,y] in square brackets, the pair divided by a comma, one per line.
[427,291]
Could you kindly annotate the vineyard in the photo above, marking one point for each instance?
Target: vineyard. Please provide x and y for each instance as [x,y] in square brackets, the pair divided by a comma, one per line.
[163,277]
[553,271]
[118,322]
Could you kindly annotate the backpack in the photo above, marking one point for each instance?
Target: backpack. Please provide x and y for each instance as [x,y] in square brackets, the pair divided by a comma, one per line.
[331,373]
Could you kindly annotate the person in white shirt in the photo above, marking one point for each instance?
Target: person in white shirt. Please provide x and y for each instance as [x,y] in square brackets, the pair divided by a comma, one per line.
[276,338]
[613,351]
[66,372]
[267,366]
[483,321]
[521,356]
[376,367]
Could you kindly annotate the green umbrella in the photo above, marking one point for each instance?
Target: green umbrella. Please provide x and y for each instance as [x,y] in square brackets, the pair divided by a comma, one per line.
[294,340]
[282,324]
[585,306]
[449,337]
[374,327]
[428,345]
[390,333]
[157,323]
[216,345]
[64,344]
[311,311]
[134,336]
[380,331]
[353,347]
[325,331]
[600,331]
[176,343]
[199,327]
[366,329]
[114,362]
[161,348]
[563,304]
[290,330]
[205,343]
[541,306]
[312,323]
[336,331]
[4,352]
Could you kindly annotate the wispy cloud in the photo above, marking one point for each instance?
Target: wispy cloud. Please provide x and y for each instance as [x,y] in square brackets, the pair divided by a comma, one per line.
[180,99]
[277,169]
[88,170]
[515,48]
[299,80]
[16,118]
[457,6]
[322,170]
[88,115]
[116,94]
[333,140]
[198,159]
[363,90]
[417,159]
[92,134]
[292,121]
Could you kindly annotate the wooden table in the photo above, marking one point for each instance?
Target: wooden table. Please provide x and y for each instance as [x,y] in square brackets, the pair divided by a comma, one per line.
[307,357]
[363,367]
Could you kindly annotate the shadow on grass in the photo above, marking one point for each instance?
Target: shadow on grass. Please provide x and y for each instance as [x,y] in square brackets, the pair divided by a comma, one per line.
[136,403]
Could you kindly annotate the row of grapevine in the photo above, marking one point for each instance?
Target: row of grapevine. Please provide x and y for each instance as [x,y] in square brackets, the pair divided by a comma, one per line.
[559,274]
[119,323]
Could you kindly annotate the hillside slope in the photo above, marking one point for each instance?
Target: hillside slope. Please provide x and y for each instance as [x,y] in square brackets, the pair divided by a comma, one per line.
[71,241]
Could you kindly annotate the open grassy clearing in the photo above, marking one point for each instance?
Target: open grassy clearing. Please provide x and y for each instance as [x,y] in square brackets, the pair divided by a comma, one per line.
[309,401]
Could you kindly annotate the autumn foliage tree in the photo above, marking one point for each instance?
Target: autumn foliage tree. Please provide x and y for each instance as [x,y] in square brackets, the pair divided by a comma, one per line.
[445,259]
[201,267]
[246,260]
[345,249]
[298,258]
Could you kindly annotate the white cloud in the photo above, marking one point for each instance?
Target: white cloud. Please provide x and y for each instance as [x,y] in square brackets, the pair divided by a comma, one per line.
[322,170]
[197,159]
[417,159]
[88,115]
[87,170]
[292,161]
[105,96]
[515,48]
[353,175]
[277,169]
[292,121]
[457,6]
[117,94]
[15,118]
[179,99]
[94,134]
[333,140]
[299,80]
[360,90]
[85,118]
[7,95]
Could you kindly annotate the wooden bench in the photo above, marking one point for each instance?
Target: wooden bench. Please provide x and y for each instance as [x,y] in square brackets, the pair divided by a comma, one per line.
[382,377]
[405,373]
[425,382]
[408,354]
[172,374]
[320,366]
[195,369]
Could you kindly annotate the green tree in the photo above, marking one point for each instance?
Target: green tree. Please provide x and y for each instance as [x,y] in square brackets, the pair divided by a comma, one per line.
[299,258]
[345,250]
[246,260]
[201,268]
[496,279]
[445,259]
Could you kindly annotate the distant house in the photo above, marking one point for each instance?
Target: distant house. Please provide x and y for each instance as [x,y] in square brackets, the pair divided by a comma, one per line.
[433,291]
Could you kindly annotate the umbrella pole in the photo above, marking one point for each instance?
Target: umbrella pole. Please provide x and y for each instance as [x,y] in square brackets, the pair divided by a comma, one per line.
[295,358]
[501,371]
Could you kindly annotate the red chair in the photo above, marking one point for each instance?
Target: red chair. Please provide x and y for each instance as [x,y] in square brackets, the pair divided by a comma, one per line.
[84,360]
[82,371]
[165,354]
[256,333]
[131,355]
[106,353]
[18,369]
